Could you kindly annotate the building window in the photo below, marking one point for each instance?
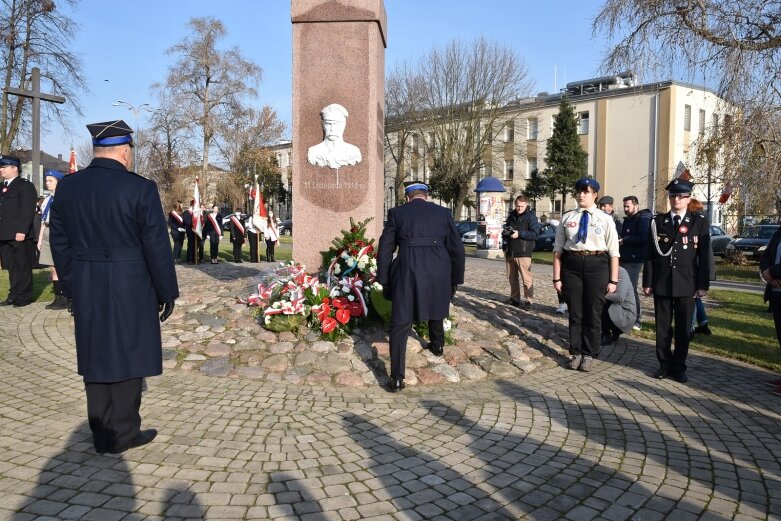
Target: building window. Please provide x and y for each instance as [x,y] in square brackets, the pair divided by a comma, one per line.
[687,118]
[715,121]
[509,132]
[509,166]
[702,122]
[583,127]
[531,166]
[532,128]
[557,206]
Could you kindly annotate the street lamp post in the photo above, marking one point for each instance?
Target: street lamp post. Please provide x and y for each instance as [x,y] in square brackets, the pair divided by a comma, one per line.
[136,110]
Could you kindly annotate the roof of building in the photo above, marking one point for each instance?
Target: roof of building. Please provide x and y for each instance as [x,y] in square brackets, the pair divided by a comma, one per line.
[48,161]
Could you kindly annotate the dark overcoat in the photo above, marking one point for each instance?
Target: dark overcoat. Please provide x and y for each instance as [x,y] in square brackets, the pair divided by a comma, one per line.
[429,262]
[113,257]
[767,260]
[174,225]
[237,236]
[17,209]
[687,268]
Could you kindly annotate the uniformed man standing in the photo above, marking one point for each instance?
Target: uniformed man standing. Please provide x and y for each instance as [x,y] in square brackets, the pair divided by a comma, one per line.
[422,279]
[17,212]
[238,235]
[676,270]
[585,270]
[111,250]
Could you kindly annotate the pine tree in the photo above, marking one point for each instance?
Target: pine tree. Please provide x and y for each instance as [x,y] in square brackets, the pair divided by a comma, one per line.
[565,158]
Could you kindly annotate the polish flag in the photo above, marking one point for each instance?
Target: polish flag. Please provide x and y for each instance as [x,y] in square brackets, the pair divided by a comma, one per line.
[72,163]
[197,214]
[259,214]
[726,192]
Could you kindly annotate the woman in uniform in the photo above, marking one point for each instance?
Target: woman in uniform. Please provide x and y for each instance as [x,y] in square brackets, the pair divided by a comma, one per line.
[585,269]
[271,235]
[176,225]
[51,178]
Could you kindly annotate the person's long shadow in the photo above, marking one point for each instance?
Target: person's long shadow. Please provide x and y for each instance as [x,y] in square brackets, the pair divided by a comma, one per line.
[76,481]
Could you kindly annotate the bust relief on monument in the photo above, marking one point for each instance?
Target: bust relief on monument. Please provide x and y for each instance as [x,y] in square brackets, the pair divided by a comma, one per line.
[334,151]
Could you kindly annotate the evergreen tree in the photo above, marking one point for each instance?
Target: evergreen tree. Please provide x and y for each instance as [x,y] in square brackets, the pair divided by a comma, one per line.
[536,187]
[565,158]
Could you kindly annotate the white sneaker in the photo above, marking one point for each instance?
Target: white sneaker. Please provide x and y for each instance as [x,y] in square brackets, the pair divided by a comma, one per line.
[562,308]
[637,327]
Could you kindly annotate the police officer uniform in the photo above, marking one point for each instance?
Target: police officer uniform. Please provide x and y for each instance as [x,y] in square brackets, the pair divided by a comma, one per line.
[18,199]
[110,246]
[586,240]
[421,279]
[676,268]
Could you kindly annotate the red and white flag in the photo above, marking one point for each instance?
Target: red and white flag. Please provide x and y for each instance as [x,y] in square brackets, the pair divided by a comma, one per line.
[197,214]
[259,214]
[72,163]
[726,192]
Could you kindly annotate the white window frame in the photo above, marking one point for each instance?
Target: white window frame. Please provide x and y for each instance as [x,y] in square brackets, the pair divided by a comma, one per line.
[509,169]
[532,129]
[583,123]
[531,165]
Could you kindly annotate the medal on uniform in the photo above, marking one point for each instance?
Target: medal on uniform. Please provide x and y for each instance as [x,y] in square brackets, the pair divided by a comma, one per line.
[5,189]
[683,229]
[685,241]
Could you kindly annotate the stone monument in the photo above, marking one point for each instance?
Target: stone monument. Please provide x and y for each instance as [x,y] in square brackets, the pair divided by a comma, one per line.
[338,120]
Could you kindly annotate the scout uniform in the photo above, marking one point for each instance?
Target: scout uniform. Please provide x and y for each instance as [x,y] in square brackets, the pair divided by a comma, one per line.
[586,239]
[676,267]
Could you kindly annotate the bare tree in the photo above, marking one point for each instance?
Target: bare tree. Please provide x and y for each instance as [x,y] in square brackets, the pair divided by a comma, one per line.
[36,34]
[209,81]
[733,44]
[467,89]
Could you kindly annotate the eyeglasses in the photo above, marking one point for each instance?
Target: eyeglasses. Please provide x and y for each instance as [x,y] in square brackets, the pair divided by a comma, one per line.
[680,196]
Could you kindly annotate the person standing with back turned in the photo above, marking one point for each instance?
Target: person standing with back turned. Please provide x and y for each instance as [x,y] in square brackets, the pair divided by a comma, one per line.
[422,279]
[110,246]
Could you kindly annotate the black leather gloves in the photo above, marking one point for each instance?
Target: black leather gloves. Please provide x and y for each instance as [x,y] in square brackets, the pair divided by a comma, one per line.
[166,308]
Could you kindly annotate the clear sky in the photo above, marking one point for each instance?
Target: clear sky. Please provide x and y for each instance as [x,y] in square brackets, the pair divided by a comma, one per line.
[122,45]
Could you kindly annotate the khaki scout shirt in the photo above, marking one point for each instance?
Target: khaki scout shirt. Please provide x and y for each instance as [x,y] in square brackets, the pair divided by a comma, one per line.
[602,234]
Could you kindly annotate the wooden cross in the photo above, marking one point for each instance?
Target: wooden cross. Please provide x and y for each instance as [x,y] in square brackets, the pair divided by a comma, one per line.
[36,96]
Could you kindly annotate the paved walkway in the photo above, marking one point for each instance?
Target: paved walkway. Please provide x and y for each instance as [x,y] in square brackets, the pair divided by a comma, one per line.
[551,444]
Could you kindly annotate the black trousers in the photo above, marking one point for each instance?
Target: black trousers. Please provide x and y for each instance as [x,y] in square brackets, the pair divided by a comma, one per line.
[775,306]
[112,409]
[214,245]
[608,327]
[236,251]
[191,246]
[201,247]
[399,334]
[270,250]
[253,239]
[585,279]
[668,310]
[18,260]
[178,243]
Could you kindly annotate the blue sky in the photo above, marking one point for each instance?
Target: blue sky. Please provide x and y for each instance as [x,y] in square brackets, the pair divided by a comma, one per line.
[122,45]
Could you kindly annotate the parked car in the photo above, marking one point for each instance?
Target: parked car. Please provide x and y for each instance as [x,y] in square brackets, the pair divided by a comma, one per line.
[465,226]
[286,227]
[719,240]
[752,241]
[470,237]
[545,240]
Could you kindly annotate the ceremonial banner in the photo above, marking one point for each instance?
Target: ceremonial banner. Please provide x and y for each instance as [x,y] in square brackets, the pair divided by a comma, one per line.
[197,214]
[259,214]
[726,192]
[72,163]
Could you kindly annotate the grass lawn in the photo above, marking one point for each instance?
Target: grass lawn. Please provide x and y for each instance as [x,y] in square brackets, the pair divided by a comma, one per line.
[742,329]
[42,285]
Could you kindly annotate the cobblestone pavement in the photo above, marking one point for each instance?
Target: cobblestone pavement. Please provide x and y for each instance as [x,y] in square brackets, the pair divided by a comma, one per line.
[550,444]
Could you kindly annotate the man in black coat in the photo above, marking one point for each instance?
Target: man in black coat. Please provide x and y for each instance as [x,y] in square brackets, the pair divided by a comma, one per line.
[111,251]
[676,271]
[422,279]
[17,211]
[520,233]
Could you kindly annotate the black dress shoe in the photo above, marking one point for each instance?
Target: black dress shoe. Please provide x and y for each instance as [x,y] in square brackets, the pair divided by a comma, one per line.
[661,374]
[21,304]
[143,438]
[396,385]
[7,302]
[605,340]
[681,377]
[436,350]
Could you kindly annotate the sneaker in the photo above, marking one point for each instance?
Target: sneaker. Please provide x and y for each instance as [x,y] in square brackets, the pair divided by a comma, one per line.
[574,362]
[562,308]
[586,364]
[703,329]
[514,303]
[637,327]
[605,340]
[527,306]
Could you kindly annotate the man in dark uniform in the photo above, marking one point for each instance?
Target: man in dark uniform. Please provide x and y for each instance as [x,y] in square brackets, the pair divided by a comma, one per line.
[213,231]
[112,254]
[187,217]
[17,212]
[238,235]
[676,270]
[422,279]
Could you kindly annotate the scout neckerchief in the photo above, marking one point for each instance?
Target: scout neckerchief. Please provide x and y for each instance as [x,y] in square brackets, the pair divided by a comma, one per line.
[47,204]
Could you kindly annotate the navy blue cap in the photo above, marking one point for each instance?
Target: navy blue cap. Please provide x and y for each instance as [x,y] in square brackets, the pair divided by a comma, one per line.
[54,173]
[110,133]
[10,160]
[415,185]
[587,181]
[679,186]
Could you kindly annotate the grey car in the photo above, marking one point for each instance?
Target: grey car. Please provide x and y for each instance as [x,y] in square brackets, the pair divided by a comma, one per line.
[719,240]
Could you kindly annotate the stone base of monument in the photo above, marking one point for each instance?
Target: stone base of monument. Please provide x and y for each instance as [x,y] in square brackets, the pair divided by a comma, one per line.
[213,335]
[489,254]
